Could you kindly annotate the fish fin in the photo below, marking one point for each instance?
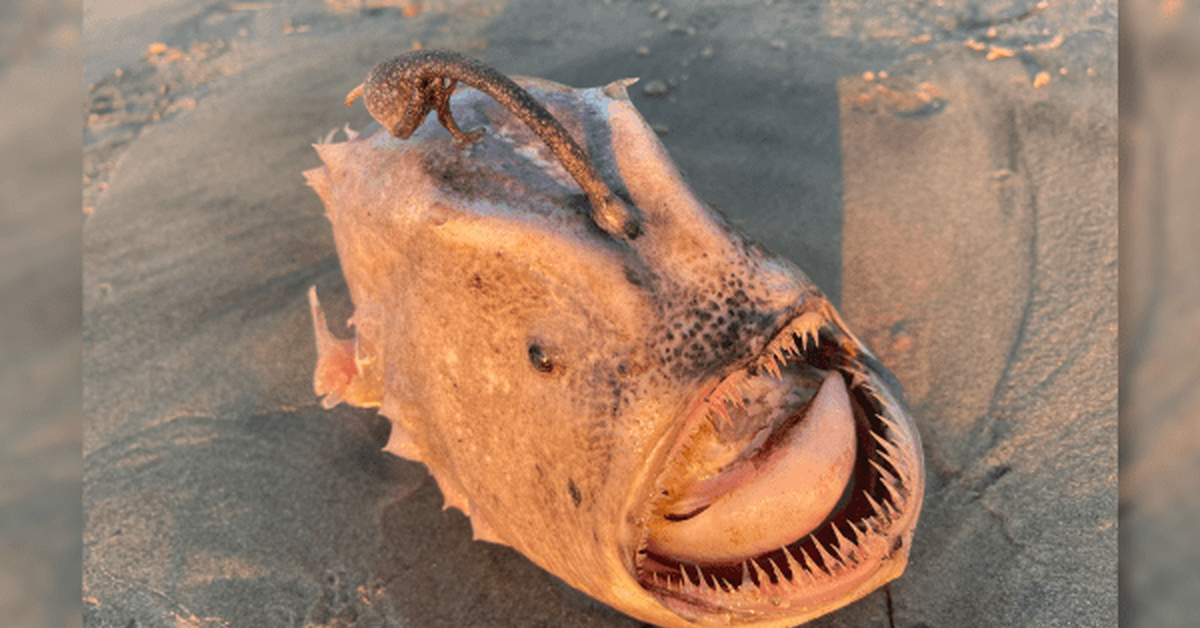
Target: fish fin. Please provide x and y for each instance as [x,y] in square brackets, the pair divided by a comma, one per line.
[320,181]
[339,375]
[400,441]
[481,530]
[454,497]
[335,358]
[616,89]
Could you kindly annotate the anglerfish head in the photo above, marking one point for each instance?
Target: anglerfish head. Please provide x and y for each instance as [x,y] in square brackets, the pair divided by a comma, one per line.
[678,423]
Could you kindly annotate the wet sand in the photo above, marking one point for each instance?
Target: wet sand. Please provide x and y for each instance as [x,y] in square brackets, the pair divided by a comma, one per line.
[962,210]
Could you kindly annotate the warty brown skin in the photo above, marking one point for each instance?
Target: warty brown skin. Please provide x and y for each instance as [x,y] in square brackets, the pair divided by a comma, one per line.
[401,91]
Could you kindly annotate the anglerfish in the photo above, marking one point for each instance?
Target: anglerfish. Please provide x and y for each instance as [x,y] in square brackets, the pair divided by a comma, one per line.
[595,366]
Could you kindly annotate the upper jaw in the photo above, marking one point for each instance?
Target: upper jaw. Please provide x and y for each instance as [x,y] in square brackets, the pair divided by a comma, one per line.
[841,555]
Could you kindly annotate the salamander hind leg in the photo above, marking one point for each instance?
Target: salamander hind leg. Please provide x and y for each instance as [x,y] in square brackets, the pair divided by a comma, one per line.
[438,94]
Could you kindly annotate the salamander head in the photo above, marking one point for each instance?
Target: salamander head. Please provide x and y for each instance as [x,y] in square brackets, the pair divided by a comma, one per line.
[395,97]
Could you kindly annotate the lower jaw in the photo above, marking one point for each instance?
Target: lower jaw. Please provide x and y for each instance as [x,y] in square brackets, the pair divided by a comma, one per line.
[805,577]
[786,587]
[707,600]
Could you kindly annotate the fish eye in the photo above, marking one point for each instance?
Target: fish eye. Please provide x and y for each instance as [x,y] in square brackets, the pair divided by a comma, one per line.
[540,360]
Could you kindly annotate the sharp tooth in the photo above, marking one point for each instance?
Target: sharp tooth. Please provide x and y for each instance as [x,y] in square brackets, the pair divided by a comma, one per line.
[724,393]
[658,581]
[798,570]
[845,548]
[781,360]
[733,387]
[775,570]
[893,511]
[884,474]
[772,367]
[890,459]
[888,451]
[704,578]
[875,505]
[759,574]
[884,443]
[887,421]
[859,379]
[810,333]
[714,582]
[677,587]
[817,571]
[827,559]
[789,343]
[700,586]
[719,410]
[735,397]
[892,448]
[808,324]
[890,482]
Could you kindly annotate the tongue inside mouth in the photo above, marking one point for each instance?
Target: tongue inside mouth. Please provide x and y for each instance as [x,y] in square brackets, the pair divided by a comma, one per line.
[776,499]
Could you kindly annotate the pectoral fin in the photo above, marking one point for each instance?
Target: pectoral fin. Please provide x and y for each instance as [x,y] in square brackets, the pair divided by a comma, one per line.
[343,373]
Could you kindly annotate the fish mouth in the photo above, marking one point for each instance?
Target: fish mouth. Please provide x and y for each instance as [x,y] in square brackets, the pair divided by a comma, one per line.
[792,488]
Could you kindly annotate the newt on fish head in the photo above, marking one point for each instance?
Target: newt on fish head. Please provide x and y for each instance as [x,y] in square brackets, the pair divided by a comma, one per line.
[646,403]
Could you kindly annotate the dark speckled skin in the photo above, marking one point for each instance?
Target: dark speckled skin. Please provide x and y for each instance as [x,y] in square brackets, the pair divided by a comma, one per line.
[401,91]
